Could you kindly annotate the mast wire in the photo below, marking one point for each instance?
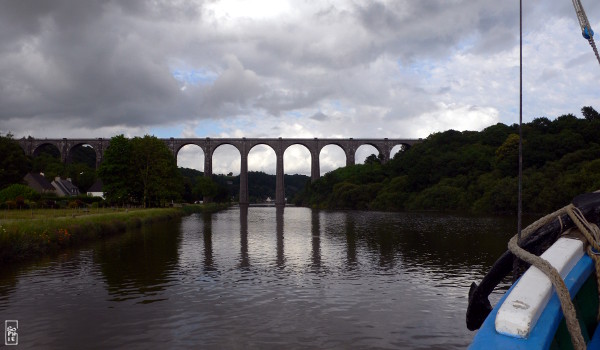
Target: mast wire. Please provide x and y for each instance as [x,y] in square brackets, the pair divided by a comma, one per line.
[519,201]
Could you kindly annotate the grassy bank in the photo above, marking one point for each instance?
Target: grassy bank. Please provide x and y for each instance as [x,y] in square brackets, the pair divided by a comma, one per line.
[27,234]
[204,208]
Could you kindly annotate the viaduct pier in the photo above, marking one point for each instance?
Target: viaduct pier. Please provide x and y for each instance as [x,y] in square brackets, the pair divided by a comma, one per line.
[243,145]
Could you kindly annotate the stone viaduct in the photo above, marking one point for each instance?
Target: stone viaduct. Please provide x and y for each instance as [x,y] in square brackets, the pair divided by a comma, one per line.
[244,145]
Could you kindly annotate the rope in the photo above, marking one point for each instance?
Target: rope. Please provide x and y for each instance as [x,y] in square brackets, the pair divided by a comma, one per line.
[543,222]
[591,233]
[561,290]
[553,275]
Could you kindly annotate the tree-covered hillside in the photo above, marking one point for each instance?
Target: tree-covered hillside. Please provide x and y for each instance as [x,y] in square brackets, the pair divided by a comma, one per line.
[474,171]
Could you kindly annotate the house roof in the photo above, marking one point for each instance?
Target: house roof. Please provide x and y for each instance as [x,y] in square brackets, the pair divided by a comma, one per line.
[40,180]
[66,187]
[97,186]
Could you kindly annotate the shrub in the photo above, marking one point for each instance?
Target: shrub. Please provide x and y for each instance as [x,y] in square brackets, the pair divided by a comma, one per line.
[47,203]
[13,191]
[76,203]
[20,202]
[438,197]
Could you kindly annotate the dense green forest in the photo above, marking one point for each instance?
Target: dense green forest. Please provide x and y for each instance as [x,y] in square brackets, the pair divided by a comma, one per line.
[474,171]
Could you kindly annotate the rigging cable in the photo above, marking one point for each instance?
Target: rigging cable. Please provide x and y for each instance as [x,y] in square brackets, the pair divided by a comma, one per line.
[520,189]
[586,28]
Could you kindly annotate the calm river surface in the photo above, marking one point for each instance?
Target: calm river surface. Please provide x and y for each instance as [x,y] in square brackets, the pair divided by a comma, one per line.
[261,278]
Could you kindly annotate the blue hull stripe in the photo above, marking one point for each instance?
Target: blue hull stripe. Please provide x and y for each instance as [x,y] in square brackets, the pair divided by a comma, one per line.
[542,334]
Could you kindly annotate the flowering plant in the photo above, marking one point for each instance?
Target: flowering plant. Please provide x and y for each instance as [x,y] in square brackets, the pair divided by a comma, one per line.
[63,235]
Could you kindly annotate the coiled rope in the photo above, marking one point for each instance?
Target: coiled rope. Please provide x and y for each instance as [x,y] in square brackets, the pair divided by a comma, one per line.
[591,232]
[592,236]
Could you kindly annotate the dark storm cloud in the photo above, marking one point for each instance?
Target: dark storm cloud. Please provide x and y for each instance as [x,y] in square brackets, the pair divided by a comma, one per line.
[110,63]
[420,29]
[275,101]
[235,85]
[319,116]
[93,64]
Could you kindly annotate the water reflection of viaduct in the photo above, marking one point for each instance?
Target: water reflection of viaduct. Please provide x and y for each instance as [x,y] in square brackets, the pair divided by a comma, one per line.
[243,145]
[280,259]
[387,252]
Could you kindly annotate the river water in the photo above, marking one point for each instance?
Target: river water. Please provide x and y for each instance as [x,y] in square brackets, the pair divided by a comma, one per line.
[261,278]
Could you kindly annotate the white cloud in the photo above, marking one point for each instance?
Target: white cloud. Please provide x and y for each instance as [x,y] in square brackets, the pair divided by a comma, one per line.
[191,156]
[296,160]
[226,159]
[331,158]
[457,117]
[363,152]
[240,10]
[334,68]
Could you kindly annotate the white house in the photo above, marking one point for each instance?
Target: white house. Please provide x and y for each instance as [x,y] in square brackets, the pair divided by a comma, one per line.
[96,189]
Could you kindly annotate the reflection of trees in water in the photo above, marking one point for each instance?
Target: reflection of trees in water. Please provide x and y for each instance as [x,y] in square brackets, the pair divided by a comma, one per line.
[9,276]
[352,262]
[359,232]
[11,273]
[448,242]
[438,241]
[139,261]
[383,246]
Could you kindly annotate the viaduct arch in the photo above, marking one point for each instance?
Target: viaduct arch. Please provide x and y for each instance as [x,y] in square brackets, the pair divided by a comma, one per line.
[243,145]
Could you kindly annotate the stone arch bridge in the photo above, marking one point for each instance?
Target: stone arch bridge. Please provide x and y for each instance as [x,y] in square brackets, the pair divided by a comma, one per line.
[244,145]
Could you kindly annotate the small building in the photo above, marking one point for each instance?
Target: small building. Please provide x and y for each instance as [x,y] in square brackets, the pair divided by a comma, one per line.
[39,183]
[65,188]
[96,189]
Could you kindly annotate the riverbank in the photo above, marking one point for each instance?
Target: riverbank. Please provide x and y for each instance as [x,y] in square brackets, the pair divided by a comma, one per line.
[28,234]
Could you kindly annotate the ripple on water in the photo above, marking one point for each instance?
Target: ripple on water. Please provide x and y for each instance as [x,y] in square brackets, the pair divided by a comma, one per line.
[308,280]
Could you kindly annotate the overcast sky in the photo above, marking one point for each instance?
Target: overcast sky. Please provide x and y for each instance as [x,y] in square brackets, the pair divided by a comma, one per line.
[279,68]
